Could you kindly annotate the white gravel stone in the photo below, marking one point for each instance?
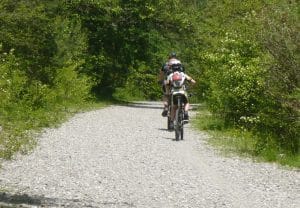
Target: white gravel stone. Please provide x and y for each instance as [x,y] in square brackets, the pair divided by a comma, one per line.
[122,156]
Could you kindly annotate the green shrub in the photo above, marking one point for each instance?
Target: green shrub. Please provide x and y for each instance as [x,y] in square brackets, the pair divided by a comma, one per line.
[242,95]
[12,80]
[236,80]
[70,87]
[140,84]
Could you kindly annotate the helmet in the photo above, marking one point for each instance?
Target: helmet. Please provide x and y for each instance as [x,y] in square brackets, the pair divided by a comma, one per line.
[172,55]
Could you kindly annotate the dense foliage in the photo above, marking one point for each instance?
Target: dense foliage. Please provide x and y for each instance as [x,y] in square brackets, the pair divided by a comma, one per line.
[252,69]
[38,68]
[243,54]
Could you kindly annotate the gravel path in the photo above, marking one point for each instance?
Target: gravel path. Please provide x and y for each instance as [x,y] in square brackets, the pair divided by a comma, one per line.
[122,156]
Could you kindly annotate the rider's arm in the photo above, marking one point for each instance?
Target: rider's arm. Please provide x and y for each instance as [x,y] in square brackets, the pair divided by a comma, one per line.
[190,79]
[169,79]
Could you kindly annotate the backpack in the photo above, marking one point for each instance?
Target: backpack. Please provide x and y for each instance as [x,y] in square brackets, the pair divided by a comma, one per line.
[177,79]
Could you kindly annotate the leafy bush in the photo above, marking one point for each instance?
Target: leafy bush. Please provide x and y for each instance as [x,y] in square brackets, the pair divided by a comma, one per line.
[12,80]
[252,71]
[70,87]
[141,84]
[236,80]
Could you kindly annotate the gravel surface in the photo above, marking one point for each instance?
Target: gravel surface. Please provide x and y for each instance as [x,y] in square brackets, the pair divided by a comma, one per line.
[123,156]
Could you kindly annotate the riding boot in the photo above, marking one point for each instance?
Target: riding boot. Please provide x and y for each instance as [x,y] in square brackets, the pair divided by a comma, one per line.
[165,112]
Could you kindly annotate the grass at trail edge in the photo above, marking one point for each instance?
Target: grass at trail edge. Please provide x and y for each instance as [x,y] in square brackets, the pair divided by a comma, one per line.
[20,125]
[235,141]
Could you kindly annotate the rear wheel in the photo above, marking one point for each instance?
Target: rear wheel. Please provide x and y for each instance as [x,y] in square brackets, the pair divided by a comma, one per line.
[179,131]
[169,123]
[182,132]
[177,134]
[179,122]
[170,127]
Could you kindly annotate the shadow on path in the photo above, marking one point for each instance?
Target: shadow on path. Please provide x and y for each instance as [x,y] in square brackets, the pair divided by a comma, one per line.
[18,200]
[163,129]
[157,105]
[145,105]
[8,200]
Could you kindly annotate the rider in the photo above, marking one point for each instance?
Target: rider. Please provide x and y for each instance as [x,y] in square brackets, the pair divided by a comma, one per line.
[165,71]
[176,81]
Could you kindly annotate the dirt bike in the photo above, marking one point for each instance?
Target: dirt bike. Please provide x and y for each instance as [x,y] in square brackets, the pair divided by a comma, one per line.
[178,97]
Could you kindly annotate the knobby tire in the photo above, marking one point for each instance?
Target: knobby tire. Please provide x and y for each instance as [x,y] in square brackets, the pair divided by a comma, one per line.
[179,121]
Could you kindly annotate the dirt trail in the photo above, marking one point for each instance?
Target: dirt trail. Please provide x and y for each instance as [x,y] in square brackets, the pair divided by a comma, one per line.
[122,156]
